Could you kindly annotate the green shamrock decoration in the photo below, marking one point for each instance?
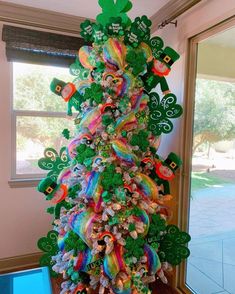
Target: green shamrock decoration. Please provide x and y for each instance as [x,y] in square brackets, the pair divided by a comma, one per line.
[84,152]
[124,103]
[142,117]
[110,179]
[143,24]
[156,44]
[76,69]
[139,285]
[136,61]
[66,134]
[106,196]
[141,140]
[94,93]
[73,191]
[134,247]
[133,37]
[115,27]
[74,242]
[87,30]
[172,245]
[99,34]
[54,162]
[73,274]
[131,227]
[111,9]
[136,211]
[113,221]
[56,209]
[49,246]
[157,225]
[107,120]
[160,113]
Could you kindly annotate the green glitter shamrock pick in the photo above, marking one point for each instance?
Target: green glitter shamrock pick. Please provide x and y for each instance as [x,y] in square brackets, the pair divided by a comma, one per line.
[94,93]
[73,241]
[87,30]
[57,208]
[157,225]
[49,246]
[106,196]
[133,37]
[136,61]
[172,245]
[84,152]
[111,9]
[76,69]
[54,162]
[143,24]
[110,179]
[141,140]
[156,44]
[134,247]
[160,113]
[99,34]
[66,134]
[115,27]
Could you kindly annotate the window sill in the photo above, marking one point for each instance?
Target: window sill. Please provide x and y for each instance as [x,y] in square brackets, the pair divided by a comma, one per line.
[23,183]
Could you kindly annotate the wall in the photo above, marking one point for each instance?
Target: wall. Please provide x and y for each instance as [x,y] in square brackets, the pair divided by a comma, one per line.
[215,60]
[23,219]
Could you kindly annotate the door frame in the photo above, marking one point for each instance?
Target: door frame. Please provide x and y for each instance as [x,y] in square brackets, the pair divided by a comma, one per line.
[186,143]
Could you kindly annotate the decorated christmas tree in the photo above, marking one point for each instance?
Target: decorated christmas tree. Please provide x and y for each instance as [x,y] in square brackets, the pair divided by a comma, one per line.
[109,187]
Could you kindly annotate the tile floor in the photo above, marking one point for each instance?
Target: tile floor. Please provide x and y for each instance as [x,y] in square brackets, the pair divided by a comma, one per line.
[211,265]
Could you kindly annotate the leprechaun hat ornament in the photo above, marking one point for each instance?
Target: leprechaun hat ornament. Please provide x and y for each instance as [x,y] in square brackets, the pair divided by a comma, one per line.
[111,229]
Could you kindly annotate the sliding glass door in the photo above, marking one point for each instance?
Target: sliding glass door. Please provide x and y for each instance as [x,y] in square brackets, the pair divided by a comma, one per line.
[211,266]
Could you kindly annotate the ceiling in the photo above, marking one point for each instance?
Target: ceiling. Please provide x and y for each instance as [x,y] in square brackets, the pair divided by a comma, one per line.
[90,8]
[224,39]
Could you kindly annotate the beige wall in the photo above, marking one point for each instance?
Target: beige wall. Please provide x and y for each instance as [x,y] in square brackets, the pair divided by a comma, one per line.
[23,219]
[216,61]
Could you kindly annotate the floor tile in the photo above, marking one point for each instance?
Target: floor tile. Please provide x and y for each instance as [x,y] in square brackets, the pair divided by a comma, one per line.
[209,250]
[199,282]
[211,269]
[229,278]
[229,251]
[224,292]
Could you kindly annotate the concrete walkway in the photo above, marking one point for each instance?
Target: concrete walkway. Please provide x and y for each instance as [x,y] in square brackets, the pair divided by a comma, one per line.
[211,265]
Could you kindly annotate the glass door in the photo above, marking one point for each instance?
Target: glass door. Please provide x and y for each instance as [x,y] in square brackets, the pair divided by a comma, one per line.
[211,266]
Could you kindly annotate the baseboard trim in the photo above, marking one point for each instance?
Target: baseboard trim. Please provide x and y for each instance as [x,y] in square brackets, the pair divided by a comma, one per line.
[19,262]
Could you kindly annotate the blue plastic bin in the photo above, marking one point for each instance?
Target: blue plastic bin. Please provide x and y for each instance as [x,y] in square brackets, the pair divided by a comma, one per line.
[34,281]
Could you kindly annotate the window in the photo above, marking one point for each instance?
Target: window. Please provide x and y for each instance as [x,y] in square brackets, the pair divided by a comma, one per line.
[39,116]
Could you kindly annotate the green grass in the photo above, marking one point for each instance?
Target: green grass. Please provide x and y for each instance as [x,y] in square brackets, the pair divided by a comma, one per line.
[201,180]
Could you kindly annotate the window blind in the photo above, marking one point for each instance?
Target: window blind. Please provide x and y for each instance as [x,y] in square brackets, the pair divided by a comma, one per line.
[26,45]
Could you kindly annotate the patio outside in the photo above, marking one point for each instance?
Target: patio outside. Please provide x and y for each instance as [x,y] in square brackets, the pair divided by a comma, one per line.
[211,265]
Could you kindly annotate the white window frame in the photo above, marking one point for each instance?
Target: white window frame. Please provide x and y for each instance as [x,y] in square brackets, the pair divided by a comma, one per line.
[24,180]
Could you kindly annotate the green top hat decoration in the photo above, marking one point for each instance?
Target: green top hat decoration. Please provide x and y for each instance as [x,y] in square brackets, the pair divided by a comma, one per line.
[168,56]
[57,86]
[173,161]
[48,187]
